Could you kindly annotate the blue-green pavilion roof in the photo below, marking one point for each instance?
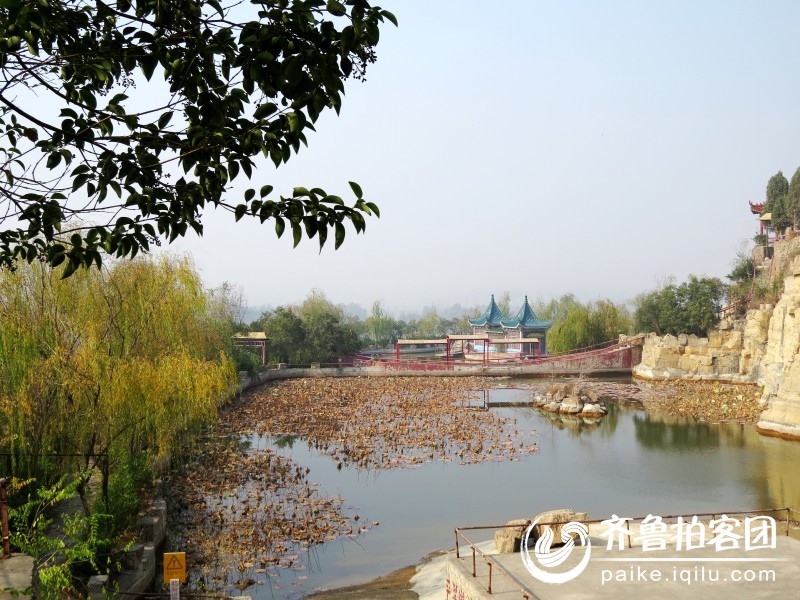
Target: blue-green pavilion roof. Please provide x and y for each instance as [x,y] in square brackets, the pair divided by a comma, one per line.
[491,317]
[526,318]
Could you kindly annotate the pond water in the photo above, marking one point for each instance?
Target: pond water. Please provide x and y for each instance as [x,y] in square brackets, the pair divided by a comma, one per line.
[631,463]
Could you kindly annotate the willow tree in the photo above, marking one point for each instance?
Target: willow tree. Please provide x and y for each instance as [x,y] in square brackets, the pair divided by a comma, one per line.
[588,324]
[121,122]
[106,365]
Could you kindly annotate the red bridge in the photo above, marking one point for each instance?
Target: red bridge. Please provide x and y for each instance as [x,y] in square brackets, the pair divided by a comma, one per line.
[613,357]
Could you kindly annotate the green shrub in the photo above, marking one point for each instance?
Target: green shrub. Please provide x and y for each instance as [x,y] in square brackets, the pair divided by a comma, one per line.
[245,360]
[55,582]
[124,492]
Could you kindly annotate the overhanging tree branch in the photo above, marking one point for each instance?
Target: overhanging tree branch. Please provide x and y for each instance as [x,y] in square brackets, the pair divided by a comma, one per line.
[246,89]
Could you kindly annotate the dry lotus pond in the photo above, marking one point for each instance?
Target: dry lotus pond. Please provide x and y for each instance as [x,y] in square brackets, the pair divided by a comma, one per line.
[242,511]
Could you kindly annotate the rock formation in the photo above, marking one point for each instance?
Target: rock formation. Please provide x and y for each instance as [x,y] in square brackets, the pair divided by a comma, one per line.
[764,348]
[509,539]
[779,371]
[571,399]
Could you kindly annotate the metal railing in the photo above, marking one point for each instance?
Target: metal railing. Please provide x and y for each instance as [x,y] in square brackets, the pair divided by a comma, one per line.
[490,562]
[493,564]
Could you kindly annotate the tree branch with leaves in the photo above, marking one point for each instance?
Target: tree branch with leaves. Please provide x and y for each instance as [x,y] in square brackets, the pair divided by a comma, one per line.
[121,123]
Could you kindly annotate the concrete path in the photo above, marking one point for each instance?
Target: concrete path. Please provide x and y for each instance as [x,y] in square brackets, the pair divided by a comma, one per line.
[15,576]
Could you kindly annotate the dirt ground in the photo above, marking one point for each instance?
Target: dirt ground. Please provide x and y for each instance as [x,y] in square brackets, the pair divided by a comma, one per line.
[704,400]
[394,586]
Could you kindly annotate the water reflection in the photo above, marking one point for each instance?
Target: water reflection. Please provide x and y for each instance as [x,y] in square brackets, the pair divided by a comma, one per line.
[285,441]
[671,433]
[573,424]
[779,472]
[731,452]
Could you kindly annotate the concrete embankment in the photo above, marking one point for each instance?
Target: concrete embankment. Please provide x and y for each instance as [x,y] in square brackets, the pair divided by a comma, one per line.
[249,380]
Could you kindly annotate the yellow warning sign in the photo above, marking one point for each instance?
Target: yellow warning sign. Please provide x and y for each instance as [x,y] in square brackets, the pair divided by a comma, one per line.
[175,566]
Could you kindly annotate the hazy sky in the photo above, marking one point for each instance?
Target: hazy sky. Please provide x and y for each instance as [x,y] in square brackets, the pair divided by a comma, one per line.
[540,148]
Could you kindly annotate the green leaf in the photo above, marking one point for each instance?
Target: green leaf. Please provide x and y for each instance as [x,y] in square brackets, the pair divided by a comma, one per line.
[297,234]
[348,39]
[276,156]
[70,267]
[280,226]
[79,181]
[249,195]
[57,259]
[358,221]
[295,124]
[240,210]
[266,190]
[247,167]
[215,5]
[148,63]
[373,33]
[337,9]
[311,226]
[264,110]
[356,189]
[389,16]
[53,160]
[164,119]
[339,235]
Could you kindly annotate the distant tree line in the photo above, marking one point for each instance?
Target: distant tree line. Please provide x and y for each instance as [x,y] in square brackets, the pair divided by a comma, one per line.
[315,331]
[319,331]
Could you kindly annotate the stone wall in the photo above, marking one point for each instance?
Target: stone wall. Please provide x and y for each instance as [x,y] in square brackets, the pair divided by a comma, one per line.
[731,353]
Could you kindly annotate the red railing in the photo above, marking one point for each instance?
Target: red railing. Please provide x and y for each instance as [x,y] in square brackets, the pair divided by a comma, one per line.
[606,355]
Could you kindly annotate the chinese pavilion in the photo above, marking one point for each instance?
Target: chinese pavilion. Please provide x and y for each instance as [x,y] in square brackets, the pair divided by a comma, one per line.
[764,219]
[525,325]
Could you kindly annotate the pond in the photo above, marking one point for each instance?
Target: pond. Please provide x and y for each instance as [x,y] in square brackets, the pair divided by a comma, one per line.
[630,463]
